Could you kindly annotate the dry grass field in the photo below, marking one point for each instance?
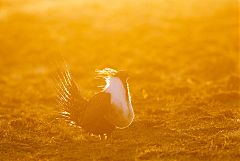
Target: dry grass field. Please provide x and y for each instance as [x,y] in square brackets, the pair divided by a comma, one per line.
[183,58]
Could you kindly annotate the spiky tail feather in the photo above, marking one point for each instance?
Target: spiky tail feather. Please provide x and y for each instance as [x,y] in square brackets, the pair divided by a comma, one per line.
[69,99]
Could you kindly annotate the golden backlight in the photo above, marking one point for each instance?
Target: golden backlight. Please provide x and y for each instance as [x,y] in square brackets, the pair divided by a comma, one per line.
[184,65]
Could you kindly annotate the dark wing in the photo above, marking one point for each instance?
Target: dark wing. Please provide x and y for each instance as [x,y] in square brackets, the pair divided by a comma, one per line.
[94,120]
[73,105]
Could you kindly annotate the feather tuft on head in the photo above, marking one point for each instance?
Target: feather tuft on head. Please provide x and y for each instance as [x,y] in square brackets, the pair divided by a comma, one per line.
[106,72]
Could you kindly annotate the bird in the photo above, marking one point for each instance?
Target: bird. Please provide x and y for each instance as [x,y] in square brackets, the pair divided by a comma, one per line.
[107,110]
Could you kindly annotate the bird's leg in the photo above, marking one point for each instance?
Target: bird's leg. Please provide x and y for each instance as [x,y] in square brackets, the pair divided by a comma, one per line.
[102,137]
[81,135]
[109,137]
[105,136]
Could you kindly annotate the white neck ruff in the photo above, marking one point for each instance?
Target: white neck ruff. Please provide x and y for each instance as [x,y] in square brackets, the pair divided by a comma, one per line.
[121,113]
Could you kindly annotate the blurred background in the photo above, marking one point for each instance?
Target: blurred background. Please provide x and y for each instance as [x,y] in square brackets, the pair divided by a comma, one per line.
[183,58]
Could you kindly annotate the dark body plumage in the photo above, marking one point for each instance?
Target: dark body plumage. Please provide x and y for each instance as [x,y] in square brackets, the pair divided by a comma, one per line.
[94,120]
[87,114]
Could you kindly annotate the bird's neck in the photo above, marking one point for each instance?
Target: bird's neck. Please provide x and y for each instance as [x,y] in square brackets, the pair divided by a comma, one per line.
[120,97]
[118,90]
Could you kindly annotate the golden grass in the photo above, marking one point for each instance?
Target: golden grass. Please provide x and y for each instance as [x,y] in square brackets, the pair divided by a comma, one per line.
[183,58]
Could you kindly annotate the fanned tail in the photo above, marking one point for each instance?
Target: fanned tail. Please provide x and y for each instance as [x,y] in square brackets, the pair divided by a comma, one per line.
[69,98]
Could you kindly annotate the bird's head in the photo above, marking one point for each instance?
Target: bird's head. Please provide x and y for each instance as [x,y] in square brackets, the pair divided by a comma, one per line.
[109,72]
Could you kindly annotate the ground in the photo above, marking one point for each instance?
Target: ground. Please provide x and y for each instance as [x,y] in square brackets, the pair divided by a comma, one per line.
[182,56]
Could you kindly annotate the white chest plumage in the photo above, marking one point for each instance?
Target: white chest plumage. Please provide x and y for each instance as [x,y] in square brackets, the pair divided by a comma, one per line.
[122,112]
